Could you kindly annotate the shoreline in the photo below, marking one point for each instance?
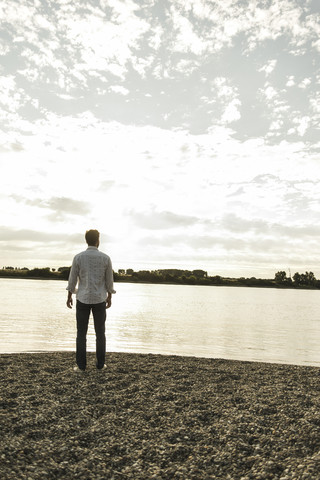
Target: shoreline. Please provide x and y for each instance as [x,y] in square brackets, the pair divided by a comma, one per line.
[157,416]
[159,354]
[231,284]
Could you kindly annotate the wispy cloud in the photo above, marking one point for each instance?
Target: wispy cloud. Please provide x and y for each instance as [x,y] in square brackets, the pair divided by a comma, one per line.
[36,236]
[165,220]
[58,205]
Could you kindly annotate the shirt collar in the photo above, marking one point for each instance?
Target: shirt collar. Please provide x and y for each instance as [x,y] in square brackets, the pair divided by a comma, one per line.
[92,248]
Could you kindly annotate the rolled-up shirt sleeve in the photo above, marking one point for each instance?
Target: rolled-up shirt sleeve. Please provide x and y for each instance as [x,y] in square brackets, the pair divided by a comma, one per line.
[109,277]
[73,277]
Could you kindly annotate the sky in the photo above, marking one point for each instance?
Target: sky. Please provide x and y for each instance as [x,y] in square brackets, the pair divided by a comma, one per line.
[186,132]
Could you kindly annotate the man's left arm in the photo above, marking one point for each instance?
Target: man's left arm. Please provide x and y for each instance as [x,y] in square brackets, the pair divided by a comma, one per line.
[109,283]
[69,300]
[109,300]
[72,282]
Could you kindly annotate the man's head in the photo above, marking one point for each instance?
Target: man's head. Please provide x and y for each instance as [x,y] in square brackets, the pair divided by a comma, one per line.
[92,238]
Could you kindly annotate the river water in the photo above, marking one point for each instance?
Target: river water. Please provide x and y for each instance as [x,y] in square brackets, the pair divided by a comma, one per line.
[257,324]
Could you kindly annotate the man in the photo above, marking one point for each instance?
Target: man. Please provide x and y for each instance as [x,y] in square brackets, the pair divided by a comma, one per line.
[92,270]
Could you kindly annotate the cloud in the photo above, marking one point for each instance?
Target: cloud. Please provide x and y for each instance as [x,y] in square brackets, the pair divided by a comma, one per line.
[77,55]
[268,67]
[36,248]
[107,185]
[237,193]
[186,39]
[291,81]
[184,246]
[59,206]
[225,20]
[194,242]
[119,89]
[274,231]
[11,97]
[236,224]
[14,235]
[153,220]
[270,92]
[305,83]
[106,36]
[276,125]
[231,113]
[64,205]
[303,124]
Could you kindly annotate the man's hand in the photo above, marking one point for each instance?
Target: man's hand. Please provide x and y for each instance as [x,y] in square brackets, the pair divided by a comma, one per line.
[108,301]
[69,300]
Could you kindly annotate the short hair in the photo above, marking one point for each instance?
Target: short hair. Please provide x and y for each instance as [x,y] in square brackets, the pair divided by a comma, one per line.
[92,237]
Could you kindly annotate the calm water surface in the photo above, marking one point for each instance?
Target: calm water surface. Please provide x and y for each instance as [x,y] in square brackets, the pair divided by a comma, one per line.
[222,322]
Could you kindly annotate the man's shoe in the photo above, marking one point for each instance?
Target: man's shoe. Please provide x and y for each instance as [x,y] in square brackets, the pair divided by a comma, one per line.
[102,368]
[77,369]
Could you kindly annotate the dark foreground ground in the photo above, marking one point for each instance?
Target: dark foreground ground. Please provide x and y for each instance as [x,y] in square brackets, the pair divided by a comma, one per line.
[157,417]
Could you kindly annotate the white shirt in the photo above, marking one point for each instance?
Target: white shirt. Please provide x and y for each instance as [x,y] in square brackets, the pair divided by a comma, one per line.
[92,270]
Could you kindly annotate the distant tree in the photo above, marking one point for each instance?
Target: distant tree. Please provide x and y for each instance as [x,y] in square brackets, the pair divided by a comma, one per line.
[216,280]
[252,281]
[40,272]
[145,275]
[129,271]
[191,280]
[64,272]
[310,278]
[297,278]
[304,279]
[199,273]
[280,277]
[168,278]
[121,271]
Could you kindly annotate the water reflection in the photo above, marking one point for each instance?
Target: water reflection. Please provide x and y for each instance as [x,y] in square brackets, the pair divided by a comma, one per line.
[237,323]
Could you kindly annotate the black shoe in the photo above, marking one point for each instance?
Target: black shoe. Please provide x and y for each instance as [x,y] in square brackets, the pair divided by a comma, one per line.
[102,368]
[77,369]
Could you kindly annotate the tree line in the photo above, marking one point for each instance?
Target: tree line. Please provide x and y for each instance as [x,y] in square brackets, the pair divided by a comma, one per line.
[174,276]
[306,279]
[201,277]
[61,273]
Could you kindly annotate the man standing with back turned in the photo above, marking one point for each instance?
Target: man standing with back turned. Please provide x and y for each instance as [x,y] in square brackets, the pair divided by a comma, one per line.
[93,270]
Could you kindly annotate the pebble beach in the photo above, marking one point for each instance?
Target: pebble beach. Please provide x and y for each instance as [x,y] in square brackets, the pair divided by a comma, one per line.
[157,417]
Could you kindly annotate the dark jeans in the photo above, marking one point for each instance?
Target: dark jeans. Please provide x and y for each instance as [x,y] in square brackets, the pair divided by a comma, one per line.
[99,317]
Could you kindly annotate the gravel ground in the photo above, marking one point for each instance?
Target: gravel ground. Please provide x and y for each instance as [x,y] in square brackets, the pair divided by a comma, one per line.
[157,417]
